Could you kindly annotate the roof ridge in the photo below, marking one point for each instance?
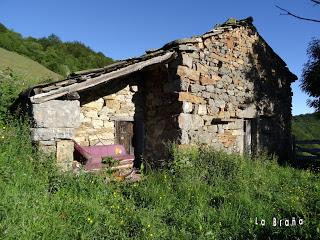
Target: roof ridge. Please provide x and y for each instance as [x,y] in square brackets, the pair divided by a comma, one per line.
[229,24]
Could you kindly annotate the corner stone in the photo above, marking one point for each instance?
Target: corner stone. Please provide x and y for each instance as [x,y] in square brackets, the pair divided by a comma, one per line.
[65,150]
[188,73]
[47,134]
[188,97]
[57,114]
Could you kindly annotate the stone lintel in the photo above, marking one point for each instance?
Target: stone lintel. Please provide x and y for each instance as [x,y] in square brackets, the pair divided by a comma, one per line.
[56,114]
[122,118]
[51,134]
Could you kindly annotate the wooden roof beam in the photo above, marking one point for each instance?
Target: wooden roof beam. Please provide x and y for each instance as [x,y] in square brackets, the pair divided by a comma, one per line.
[56,93]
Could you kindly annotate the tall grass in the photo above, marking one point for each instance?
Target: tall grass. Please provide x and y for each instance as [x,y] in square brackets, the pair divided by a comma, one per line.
[203,194]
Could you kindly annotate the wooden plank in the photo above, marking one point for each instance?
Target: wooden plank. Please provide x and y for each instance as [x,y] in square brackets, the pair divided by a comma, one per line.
[124,135]
[307,142]
[58,85]
[182,41]
[125,166]
[308,150]
[305,158]
[212,33]
[87,71]
[66,82]
[50,88]
[43,97]
[247,137]
[125,161]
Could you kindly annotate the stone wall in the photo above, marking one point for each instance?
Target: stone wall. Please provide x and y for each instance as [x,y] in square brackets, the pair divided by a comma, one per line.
[232,75]
[97,118]
[54,120]
[57,122]
[53,128]
[161,110]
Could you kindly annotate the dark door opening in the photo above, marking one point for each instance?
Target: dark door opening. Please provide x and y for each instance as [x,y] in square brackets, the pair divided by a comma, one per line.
[250,136]
[124,135]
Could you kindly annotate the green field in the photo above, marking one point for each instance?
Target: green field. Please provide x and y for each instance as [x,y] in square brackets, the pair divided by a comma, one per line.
[30,71]
[17,73]
[306,126]
[202,194]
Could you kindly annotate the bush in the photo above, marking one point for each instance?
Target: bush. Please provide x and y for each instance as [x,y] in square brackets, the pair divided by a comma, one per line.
[9,90]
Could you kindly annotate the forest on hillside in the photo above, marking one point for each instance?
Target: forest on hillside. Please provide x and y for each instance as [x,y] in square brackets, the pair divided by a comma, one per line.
[58,56]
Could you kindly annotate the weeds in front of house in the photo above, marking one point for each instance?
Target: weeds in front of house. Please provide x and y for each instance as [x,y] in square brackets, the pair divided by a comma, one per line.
[202,194]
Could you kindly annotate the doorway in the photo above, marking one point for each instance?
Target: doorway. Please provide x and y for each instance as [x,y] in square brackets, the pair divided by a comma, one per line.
[124,135]
[250,136]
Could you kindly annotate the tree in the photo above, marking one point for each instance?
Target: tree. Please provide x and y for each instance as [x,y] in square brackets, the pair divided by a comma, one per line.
[286,12]
[311,74]
[3,28]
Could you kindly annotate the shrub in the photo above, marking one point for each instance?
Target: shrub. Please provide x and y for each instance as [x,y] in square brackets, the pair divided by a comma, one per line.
[9,87]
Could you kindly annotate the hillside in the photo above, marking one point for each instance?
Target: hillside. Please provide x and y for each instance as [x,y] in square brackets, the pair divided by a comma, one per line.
[17,73]
[58,56]
[306,126]
[29,70]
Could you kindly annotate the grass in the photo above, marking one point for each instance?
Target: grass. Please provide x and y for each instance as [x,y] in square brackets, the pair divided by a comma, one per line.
[29,70]
[202,194]
[306,126]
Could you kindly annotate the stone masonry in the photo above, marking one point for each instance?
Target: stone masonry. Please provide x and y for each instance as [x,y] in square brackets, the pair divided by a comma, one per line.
[232,76]
[97,118]
[54,124]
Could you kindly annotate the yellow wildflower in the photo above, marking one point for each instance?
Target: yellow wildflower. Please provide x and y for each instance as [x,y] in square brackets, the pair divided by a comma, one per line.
[89,220]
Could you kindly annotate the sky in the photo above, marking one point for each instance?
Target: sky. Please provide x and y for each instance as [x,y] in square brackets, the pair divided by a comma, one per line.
[126,28]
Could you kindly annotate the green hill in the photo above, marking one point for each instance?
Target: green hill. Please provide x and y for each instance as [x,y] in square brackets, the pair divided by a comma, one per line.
[306,126]
[28,70]
[26,61]
[58,56]
[17,73]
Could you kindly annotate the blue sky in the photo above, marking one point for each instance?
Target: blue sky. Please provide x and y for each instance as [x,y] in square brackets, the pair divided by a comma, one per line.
[126,28]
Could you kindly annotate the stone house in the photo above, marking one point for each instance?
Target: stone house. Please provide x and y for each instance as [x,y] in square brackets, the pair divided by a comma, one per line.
[226,88]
